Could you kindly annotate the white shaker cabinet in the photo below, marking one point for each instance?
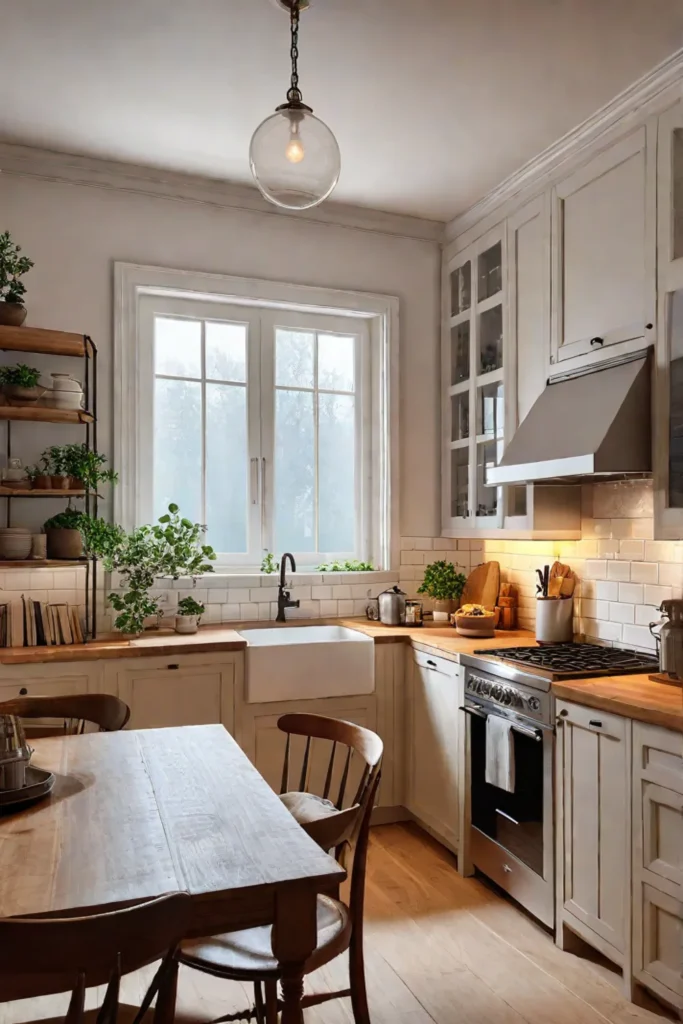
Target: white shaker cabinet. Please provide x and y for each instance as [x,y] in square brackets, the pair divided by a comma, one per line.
[433,736]
[181,690]
[594,829]
[658,861]
[604,252]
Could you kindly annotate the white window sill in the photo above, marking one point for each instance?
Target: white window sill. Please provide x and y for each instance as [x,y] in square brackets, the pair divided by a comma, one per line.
[225,578]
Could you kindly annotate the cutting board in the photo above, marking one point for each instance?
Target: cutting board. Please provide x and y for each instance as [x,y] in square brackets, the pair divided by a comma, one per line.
[482,586]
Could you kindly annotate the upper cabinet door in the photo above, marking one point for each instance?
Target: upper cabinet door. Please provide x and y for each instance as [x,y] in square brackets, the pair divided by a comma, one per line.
[668,405]
[604,251]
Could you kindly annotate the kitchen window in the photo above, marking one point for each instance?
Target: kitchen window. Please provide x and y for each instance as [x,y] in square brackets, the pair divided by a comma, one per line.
[264,423]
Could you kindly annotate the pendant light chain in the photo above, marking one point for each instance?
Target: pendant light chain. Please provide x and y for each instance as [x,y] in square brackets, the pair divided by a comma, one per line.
[294,93]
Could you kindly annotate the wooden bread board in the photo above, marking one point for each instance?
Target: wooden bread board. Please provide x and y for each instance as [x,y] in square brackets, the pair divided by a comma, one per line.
[482,586]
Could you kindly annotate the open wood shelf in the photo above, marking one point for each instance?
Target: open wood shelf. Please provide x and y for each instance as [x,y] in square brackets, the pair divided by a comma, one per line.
[37,492]
[44,414]
[40,563]
[37,339]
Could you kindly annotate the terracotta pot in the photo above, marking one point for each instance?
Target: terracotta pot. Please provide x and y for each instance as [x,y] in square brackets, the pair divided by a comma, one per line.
[63,543]
[60,483]
[42,482]
[12,314]
[17,395]
[75,484]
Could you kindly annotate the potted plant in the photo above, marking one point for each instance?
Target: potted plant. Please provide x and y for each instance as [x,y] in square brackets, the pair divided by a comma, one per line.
[188,615]
[63,532]
[40,475]
[172,548]
[55,459]
[20,383]
[12,289]
[84,467]
[444,584]
[269,565]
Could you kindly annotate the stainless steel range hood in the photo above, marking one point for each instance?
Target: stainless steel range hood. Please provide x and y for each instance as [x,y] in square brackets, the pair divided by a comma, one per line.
[591,424]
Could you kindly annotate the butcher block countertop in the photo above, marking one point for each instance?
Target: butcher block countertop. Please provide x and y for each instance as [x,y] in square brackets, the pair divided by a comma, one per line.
[633,696]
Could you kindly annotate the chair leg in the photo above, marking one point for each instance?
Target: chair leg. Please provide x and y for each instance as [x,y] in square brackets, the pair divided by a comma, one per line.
[164,1012]
[359,995]
[271,1002]
[258,1003]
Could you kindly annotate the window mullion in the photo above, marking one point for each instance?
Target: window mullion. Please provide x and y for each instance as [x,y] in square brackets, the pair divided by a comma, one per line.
[203,415]
[316,425]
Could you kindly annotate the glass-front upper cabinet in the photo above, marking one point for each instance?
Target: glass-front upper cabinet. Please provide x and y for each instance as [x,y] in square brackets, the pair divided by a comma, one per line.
[668,412]
[473,365]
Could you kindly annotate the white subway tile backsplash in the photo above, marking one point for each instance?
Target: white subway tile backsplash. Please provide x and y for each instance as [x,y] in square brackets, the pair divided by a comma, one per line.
[631,593]
[659,551]
[230,612]
[606,590]
[638,636]
[671,574]
[217,595]
[595,569]
[622,612]
[328,608]
[412,558]
[632,550]
[645,572]
[596,629]
[359,607]
[342,592]
[655,595]
[645,614]
[618,570]
[424,543]
[345,608]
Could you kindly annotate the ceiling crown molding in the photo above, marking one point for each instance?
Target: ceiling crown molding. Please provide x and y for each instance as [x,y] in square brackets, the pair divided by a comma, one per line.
[644,96]
[48,165]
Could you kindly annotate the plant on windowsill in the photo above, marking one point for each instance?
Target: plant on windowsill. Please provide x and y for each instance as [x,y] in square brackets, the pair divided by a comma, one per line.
[269,565]
[348,565]
[12,289]
[20,384]
[188,615]
[444,585]
[170,549]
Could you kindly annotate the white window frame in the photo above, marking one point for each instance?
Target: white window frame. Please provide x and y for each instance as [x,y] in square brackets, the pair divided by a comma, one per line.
[287,304]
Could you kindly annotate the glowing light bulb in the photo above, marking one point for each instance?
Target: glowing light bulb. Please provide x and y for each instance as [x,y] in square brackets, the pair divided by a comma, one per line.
[295,151]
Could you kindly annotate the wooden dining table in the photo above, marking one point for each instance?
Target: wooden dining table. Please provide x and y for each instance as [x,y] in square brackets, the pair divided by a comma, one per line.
[136,814]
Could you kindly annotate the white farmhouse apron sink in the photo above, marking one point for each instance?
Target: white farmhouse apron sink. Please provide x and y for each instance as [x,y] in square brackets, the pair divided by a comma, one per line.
[307,662]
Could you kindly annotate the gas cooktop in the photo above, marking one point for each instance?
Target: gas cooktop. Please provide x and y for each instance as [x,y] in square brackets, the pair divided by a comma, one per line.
[575,660]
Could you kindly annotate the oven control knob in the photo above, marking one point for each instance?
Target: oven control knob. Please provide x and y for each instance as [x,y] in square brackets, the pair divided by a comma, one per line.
[497,691]
[506,697]
[534,704]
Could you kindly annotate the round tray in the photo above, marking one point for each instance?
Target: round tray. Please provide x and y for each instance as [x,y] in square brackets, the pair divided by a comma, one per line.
[38,784]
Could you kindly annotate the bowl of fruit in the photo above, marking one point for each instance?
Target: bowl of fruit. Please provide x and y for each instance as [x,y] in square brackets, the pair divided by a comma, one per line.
[475,620]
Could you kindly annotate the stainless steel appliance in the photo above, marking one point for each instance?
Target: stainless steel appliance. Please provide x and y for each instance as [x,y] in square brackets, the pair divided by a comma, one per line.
[392,607]
[511,834]
[670,640]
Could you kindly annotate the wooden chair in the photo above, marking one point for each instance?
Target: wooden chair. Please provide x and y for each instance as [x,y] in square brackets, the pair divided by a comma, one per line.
[101,709]
[42,956]
[247,955]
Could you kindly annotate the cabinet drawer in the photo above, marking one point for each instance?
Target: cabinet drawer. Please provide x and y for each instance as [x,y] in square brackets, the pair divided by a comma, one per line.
[43,688]
[436,664]
[658,756]
[588,718]
[657,960]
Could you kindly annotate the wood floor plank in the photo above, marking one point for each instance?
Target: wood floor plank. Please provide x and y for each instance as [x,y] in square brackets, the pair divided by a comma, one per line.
[440,949]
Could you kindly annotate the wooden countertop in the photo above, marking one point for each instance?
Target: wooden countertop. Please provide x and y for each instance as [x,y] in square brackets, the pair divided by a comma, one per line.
[633,696]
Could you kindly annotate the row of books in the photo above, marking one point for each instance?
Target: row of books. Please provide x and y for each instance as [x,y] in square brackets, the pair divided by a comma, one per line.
[28,623]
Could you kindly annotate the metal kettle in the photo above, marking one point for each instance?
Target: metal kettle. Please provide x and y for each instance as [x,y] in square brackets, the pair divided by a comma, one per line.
[670,639]
[392,607]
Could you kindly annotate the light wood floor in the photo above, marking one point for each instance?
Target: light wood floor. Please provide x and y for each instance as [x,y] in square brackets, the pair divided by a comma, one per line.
[440,950]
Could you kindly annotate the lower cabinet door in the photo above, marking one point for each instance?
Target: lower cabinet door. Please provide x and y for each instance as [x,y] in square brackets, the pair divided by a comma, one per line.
[432,741]
[176,694]
[658,952]
[593,759]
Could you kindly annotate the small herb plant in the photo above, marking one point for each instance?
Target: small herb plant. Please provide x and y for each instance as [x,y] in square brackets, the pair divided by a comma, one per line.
[19,376]
[188,606]
[69,519]
[12,268]
[80,462]
[442,582]
[348,565]
[269,565]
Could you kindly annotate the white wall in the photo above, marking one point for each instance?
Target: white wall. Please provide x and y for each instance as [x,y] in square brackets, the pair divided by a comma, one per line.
[75,233]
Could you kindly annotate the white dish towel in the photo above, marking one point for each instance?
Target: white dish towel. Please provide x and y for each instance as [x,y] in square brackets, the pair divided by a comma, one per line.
[500,753]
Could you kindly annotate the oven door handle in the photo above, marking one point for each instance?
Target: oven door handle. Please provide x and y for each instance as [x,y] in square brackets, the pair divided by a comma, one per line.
[534,734]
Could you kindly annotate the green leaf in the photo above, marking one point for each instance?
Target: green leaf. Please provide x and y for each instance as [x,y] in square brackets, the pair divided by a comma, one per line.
[164,519]
[173,508]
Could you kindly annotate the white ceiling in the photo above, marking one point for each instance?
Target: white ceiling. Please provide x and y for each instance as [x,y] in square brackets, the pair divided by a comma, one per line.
[433,101]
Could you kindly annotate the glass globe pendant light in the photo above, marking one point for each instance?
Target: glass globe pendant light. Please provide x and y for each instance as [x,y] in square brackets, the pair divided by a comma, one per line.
[294,157]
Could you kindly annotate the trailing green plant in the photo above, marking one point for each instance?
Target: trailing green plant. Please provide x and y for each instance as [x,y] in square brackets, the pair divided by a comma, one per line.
[269,565]
[80,462]
[442,581]
[69,519]
[12,268]
[172,547]
[348,565]
[188,606]
[19,376]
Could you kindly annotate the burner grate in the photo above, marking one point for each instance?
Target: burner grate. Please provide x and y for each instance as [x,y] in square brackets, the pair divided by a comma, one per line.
[575,658]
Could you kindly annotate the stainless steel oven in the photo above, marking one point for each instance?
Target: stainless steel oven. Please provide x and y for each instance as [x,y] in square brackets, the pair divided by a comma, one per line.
[511,834]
